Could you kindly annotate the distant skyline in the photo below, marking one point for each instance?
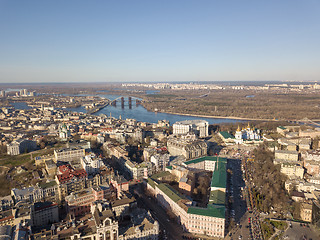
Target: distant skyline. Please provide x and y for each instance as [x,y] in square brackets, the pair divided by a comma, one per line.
[159,41]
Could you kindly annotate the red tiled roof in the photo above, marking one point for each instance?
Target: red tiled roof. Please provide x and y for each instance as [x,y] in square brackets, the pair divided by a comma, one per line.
[68,175]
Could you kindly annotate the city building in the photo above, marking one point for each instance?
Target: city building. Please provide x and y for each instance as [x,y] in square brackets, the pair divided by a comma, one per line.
[292,170]
[160,161]
[44,213]
[68,154]
[188,148]
[91,164]
[306,212]
[21,146]
[79,203]
[70,180]
[30,194]
[197,127]
[247,134]
[64,132]
[208,220]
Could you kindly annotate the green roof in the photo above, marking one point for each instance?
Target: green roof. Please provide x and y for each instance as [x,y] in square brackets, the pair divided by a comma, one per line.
[170,192]
[151,182]
[282,127]
[206,158]
[169,167]
[217,211]
[226,135]
[217,197]
[219,175]
[48,184]
[160,174]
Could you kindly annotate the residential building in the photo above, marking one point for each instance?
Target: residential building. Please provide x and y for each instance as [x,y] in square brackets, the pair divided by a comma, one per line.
[188,148]
[91,164]
[292,170]
[209,220]
[306,212]
[284,155]
[21,146]
[70,180]
[160,161]
[30,194]
[68,154]
[198,127]
[44,213]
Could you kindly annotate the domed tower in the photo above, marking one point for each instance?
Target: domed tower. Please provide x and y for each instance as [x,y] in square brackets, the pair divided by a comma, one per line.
[238,136]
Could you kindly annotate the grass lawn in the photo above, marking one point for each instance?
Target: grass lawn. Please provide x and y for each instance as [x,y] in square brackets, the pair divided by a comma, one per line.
[18,160]
[281,225]
[267,229]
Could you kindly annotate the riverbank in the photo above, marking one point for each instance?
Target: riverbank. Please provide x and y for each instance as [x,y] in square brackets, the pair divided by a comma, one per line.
[237,118]
[216,117]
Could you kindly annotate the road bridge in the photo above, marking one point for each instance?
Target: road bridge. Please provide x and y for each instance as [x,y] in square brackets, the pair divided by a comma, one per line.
[122,99]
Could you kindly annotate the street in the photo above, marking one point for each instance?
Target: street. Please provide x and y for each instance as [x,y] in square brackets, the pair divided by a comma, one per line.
[170,229]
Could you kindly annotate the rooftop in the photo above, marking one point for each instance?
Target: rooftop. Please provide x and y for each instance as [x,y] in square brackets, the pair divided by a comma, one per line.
[217,197]
[226,135]
[219,175]
[170,192]
[217,211]
[206,158]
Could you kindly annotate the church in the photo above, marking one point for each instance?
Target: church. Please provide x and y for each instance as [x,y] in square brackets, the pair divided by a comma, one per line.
[246,134]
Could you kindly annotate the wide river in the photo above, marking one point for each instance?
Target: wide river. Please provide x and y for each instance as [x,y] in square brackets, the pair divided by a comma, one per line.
[143,115]
[138,112]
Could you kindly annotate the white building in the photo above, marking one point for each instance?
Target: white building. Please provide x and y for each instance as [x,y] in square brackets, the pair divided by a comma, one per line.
[30,194]
[91,163]
[68,154]
[20,146]
[160,161]
[292,170]
[198,127]
[246,134]
[64,132]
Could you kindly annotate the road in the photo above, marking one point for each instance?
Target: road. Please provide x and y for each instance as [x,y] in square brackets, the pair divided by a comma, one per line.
[173,230]
[297,232]
[238,208]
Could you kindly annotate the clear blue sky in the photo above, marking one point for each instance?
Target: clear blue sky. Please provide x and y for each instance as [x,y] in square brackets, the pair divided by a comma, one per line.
[159,40]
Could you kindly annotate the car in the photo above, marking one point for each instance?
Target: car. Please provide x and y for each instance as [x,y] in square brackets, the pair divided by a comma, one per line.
[240,237]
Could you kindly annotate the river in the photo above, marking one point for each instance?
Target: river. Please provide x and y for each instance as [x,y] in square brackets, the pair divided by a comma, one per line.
[137,112]
[141,114]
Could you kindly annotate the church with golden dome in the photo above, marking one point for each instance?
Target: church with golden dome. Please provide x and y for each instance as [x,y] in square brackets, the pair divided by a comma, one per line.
[246,134]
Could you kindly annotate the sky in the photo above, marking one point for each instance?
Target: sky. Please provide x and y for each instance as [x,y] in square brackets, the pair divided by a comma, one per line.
[159,40]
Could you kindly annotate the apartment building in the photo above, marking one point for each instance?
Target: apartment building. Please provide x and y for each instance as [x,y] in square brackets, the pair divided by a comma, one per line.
[21,146]
[68,154]
[188,149]
[208,221]
[198,127]
[44,213]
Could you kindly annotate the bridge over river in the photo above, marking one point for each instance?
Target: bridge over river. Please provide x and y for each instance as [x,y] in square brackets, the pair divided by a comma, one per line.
[122,100]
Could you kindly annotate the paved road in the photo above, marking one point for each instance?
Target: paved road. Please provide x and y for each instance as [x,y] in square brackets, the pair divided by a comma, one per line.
[173,230]
[238,208]
[297,232]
